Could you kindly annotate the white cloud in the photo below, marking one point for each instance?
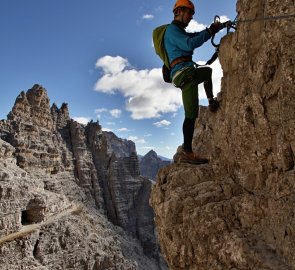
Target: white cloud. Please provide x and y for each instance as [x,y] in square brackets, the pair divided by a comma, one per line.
[123,130]
[146,94]
[224,18]
[148,17]
[132,138]
[116,113]
[100,110]
[148,135]
[136,139]
[216,79]
[194,26]
[112,65]
[82,120]
[107,129]
[140,141]
[163,123]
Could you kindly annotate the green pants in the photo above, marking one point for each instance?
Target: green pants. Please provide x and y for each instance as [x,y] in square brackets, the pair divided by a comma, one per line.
[188,81]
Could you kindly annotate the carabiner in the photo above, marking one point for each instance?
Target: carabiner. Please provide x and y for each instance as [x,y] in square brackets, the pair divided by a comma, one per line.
[216,19]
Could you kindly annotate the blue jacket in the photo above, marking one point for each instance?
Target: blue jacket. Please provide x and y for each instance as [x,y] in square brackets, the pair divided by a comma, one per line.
[179,43]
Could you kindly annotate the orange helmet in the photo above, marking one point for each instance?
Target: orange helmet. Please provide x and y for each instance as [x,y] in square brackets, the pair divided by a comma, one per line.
[184,3]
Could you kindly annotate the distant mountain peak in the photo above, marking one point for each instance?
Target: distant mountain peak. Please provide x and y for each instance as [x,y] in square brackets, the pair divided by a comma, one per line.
[151,153]
[150,164]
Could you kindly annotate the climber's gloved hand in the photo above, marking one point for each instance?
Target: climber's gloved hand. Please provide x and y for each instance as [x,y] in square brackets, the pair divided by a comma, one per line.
[215,28]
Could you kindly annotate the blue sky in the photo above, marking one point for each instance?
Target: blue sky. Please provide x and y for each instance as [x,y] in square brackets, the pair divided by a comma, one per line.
[98,57]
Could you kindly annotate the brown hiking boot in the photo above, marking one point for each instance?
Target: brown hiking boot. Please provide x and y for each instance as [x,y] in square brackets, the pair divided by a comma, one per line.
[191,158]
[213,105]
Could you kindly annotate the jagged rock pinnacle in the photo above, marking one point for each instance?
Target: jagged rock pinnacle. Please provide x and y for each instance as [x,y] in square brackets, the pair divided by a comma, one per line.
[62,180]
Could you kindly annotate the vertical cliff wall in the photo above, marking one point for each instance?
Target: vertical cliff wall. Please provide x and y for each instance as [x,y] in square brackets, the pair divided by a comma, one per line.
[237,212]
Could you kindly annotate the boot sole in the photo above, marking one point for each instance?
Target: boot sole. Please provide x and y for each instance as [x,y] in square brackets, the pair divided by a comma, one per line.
[194,162]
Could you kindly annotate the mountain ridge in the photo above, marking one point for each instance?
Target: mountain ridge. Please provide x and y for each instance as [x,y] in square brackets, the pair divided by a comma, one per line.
[49,162]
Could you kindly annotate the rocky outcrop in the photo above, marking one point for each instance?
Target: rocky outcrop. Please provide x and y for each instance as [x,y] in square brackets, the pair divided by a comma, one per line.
[150,164]
[121,147]
[237,212]
[67,199]
[41,229]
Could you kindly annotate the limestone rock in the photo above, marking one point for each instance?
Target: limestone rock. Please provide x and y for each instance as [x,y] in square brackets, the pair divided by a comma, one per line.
[117,146]
[67,199]
[237,212]
[150,164]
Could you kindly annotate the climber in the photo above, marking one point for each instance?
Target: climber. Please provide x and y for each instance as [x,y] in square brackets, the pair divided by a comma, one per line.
[185,74]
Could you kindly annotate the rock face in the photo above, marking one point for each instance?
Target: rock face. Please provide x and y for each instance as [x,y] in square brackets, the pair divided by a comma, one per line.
[121,147]
[67,199]
[238,212]
[150,164]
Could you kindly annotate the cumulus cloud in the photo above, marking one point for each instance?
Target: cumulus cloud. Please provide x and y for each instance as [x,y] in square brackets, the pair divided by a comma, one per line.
[107,129]
[148,17]
[146,95]
[123,130]
[194,26]
[163,123]
[132,138]
[224,18]
[216,79]
[136,140]
[100,110]
[116,113]
[112,65]
[82,120]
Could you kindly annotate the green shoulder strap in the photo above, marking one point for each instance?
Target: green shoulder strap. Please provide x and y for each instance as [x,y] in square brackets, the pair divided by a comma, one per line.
[158,39]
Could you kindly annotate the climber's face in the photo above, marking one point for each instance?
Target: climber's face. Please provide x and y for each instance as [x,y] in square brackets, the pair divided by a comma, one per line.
[185,15]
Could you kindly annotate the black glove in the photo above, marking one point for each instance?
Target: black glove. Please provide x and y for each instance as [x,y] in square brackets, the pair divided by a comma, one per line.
[215,28]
